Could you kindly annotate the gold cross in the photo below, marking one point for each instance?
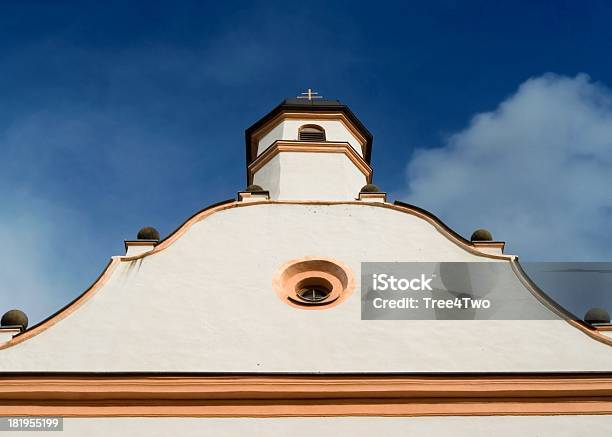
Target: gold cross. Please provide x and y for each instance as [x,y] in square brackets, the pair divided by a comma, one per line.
[310,94]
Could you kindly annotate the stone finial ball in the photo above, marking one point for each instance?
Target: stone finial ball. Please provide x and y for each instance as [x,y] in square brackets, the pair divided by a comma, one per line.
[14,318]
[148,233]
[481,235]
[597,315]
[370,188]
[254,188]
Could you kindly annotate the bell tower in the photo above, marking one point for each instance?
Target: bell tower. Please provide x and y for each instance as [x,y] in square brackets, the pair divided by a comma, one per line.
[309,148]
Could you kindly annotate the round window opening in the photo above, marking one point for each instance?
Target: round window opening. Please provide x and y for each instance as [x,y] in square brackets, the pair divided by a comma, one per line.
[314,290]
[313,283]
[313,293]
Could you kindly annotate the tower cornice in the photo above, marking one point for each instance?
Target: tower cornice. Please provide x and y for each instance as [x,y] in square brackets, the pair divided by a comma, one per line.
[308,109]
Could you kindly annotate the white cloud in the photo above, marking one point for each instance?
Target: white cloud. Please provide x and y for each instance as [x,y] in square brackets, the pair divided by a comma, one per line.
[536,171]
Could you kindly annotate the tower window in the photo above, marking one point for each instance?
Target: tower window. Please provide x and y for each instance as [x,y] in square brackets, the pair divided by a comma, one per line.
[311,132]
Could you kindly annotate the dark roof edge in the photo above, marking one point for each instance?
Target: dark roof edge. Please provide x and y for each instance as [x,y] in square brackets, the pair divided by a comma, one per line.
[562,311]
[435,218]
[203,374]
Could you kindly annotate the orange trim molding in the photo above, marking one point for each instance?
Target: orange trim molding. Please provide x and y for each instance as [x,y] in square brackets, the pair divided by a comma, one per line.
[277,396]
[266,128]
[311,147]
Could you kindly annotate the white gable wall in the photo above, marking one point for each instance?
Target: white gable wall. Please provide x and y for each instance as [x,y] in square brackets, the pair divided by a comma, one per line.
[206,304]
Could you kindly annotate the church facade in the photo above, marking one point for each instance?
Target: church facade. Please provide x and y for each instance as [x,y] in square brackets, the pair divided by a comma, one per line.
[248,318]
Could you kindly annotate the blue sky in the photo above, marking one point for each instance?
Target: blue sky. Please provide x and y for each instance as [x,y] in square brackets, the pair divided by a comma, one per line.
[114,116]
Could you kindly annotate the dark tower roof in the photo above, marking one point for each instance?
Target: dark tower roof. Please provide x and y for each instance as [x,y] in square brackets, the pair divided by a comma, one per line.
[305,105]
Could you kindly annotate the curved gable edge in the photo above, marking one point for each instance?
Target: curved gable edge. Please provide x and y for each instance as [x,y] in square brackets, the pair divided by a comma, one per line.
[444,229]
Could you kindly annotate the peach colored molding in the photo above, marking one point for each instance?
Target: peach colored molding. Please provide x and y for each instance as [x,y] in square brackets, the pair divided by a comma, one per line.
[310,147]
[603,328]
[68,309]
[266,128]
[335,272]
[314,395]
[314,408]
